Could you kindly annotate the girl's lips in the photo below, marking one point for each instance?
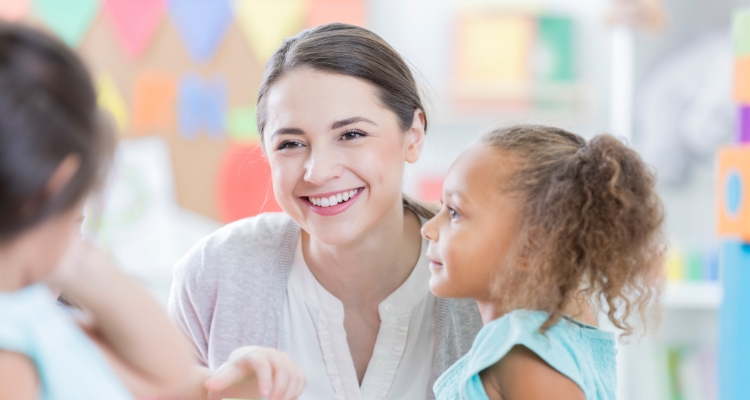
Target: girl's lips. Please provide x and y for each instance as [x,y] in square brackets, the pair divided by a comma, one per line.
[435,265]
[332,210]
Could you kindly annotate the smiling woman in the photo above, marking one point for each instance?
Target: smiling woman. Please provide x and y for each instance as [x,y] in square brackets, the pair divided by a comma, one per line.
[338,283]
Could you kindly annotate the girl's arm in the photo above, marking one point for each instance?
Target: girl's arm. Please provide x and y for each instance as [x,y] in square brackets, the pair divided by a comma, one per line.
[250,372]
[18,378]
[523,375]
[144,348]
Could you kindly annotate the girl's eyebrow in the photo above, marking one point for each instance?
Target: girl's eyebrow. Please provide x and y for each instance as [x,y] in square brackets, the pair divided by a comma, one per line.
[349,121]
[459,195]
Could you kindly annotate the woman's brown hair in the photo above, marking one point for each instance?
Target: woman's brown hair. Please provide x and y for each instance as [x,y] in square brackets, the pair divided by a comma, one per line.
[356,52]
[591,225]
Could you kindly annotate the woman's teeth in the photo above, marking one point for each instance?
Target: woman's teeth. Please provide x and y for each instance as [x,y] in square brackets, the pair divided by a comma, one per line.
[333,200]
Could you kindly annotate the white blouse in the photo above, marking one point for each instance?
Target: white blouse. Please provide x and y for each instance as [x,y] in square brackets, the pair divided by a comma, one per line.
[404,349]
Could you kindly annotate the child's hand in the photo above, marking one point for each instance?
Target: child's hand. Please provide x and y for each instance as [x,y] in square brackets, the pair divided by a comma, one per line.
[274,373]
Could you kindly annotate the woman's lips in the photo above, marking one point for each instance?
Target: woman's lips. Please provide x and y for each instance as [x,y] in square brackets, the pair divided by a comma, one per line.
[335,209]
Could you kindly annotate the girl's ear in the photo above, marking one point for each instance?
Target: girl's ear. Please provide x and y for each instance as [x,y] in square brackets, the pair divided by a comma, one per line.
[62,175]
[415,137]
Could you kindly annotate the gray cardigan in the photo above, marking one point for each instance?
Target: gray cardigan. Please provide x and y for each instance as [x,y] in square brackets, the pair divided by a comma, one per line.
[229,291]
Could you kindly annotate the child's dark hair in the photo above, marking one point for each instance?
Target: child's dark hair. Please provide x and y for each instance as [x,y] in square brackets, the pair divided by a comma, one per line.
[591,225]
[48,111]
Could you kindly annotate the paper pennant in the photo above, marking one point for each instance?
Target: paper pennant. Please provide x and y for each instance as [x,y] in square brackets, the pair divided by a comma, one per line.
[69,19]
[111,100]
[244,184]
[13,10]
[201,23]
[266,23]
[135,22]
[345,11]
[154,95]
[202,106]
[242,124]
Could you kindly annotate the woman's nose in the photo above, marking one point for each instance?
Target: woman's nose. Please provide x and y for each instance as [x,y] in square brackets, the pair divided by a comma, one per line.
[322,166]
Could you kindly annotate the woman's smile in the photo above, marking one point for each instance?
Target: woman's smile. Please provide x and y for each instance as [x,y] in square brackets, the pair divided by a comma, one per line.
[332,203]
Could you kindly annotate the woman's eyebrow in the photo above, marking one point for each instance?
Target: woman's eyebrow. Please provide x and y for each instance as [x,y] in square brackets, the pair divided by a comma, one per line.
[349,121]
[288,131]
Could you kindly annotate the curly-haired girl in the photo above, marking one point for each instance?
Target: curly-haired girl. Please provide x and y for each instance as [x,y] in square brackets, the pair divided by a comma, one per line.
[539,227]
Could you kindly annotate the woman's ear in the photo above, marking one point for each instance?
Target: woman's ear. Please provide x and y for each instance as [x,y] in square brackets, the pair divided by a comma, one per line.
[415,137]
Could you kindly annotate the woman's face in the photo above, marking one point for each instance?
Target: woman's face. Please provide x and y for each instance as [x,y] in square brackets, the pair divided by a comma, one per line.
[336,153]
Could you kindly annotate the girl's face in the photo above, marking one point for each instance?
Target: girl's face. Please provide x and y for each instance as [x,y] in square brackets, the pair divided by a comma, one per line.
[42,247]
[336,153]
[474,233]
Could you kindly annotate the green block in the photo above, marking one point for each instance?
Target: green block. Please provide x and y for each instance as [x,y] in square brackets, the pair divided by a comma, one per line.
[694,266]
[242,124]
[741,32]
[556,44]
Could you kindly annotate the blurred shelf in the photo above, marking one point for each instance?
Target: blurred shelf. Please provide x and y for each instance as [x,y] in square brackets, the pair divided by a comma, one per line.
[693,296]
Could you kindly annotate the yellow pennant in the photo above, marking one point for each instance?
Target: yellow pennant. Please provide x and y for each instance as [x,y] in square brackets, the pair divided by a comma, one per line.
[110,99]
[266,23]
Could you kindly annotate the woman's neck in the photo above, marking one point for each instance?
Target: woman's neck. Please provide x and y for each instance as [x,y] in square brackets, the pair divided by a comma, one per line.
[366,271]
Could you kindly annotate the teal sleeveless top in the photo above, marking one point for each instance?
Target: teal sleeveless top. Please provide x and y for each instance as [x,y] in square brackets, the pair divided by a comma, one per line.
[583,353]
[68,363]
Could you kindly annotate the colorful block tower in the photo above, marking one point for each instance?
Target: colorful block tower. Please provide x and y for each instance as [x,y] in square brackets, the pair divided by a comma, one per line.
[733,205]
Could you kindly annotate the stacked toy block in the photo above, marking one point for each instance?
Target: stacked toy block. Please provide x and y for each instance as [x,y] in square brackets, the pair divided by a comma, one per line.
[733,205]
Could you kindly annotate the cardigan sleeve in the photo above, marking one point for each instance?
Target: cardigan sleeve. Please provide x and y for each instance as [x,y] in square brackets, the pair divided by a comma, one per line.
[189,306]
[228,290]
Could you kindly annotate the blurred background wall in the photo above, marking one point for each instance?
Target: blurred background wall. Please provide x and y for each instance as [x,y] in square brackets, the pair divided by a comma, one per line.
[180,77]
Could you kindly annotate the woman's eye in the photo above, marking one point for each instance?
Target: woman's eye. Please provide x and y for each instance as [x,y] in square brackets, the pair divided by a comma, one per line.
[288,145]
[349,135]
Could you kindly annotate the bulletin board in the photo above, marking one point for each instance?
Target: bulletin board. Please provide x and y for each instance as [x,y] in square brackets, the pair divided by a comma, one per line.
[187,71]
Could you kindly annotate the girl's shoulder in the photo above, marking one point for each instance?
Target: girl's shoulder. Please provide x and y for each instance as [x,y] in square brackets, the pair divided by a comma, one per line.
[567,346]
[31,324]
[21,313]
[583,353]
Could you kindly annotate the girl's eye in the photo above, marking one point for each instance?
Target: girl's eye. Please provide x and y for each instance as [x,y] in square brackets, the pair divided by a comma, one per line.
[349,135]
[453,213]
[288,145]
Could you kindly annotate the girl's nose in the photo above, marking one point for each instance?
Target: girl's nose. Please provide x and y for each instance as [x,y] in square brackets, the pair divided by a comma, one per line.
[429,230]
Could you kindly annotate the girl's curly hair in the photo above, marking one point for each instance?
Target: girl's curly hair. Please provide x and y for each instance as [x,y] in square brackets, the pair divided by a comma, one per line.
[591,225]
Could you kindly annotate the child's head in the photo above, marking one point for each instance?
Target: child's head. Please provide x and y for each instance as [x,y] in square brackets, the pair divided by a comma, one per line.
[53,145]
[534,216]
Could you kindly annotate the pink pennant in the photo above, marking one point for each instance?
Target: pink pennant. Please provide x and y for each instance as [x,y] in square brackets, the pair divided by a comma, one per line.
[13,10]
[135,22]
